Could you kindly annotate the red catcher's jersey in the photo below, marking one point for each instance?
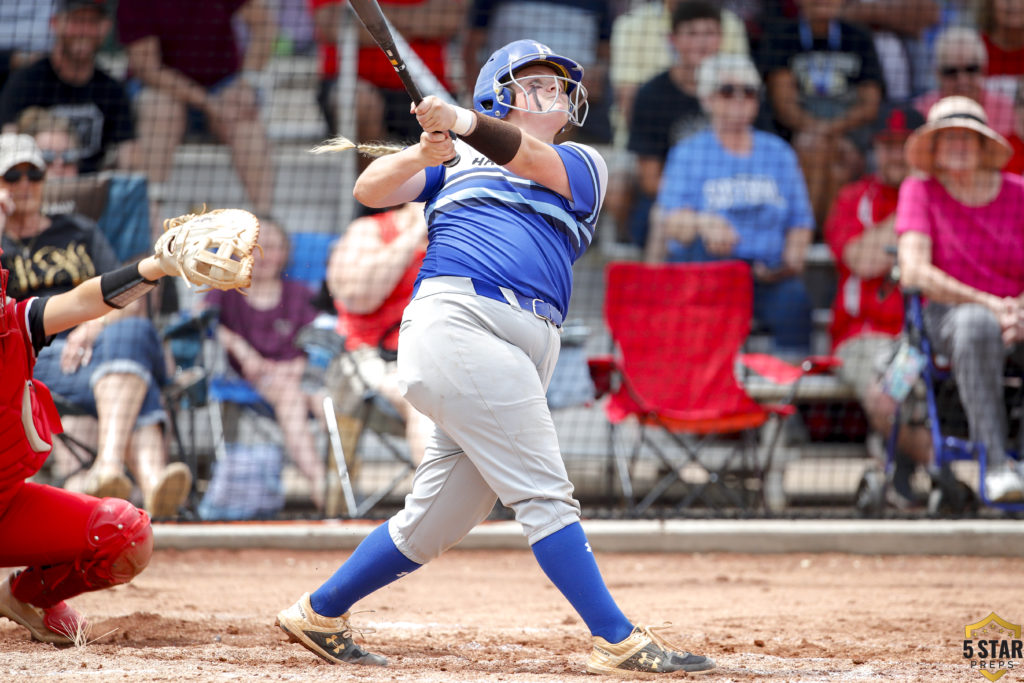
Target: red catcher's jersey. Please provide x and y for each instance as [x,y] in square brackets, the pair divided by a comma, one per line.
[28,417]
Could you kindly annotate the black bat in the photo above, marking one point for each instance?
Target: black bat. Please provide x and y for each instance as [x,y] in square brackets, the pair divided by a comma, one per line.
[373,19]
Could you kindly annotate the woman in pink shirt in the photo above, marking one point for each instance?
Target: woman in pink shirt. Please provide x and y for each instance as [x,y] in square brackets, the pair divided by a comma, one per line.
[961,242]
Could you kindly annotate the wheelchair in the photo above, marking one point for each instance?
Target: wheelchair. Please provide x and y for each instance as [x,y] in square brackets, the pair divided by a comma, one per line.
[947,424]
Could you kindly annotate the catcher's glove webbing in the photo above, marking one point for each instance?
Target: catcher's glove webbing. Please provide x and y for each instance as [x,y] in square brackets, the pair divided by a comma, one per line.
[213,249]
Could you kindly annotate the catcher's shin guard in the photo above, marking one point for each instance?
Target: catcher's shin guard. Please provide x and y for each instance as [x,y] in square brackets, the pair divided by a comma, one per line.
[119,542]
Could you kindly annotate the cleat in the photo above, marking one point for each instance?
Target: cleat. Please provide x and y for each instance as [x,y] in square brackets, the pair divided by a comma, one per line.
[327,637]
[643,652]
[56,625]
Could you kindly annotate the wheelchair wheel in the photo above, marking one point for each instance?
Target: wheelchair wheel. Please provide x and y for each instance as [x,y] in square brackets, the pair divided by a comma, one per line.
[870,500]
[952,499]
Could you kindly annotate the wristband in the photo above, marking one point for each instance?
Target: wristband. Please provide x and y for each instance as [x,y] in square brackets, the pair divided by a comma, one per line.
[495,139]
[465,121]
[122,286]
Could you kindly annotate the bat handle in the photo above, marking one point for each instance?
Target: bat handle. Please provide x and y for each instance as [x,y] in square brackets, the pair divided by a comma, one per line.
[455,159]
[416,99]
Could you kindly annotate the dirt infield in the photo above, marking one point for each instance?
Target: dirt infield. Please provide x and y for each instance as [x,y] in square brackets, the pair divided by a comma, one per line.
[491,615]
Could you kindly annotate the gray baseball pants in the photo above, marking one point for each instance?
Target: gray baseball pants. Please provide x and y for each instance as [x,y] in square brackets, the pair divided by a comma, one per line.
[479,369]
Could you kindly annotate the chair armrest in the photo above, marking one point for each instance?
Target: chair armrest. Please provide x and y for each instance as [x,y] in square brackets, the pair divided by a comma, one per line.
[189,325]
[602,372]
[819,365]
[781,372]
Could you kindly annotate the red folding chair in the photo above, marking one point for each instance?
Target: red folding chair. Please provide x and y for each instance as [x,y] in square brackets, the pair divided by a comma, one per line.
[679,329]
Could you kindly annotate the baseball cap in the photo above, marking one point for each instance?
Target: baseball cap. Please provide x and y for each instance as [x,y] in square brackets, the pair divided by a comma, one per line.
[70,5]
[18,148]
[896,122]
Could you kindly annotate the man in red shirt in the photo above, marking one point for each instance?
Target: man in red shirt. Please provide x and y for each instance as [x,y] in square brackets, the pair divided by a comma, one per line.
[868,308]
[381,103]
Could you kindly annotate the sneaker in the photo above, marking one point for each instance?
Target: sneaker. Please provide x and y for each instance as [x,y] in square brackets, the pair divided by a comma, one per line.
[646,652]
[326,637]
[57,625]
[170,491]
[1003,484]
[108,484]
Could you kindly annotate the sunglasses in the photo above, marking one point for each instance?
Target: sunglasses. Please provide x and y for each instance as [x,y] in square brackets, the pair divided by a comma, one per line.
[729,91]
[33,174]
[952,71]
[71,156]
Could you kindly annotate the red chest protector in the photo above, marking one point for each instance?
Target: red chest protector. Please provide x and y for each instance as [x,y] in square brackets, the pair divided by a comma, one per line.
[28,417]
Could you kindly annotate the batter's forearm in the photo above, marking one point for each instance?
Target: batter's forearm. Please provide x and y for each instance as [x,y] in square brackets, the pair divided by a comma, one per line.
[391,180]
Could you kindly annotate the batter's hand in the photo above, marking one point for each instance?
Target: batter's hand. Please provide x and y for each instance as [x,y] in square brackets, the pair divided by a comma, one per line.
[434,114]
[436,148]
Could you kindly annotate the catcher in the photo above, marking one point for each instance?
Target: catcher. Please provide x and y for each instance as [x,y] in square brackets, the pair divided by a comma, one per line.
[71,542]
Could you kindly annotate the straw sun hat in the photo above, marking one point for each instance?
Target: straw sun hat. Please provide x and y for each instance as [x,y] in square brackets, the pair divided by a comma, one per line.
[956,112]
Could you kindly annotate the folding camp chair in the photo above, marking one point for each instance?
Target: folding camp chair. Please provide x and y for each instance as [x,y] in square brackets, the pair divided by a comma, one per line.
[948,427]
[679,329]
[307,259]
[349,429]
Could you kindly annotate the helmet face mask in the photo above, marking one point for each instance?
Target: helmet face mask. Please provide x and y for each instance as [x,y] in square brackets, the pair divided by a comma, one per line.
[493,95]
[574,106]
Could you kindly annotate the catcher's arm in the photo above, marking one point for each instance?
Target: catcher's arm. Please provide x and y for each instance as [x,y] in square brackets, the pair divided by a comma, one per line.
[213,249]
[100,295]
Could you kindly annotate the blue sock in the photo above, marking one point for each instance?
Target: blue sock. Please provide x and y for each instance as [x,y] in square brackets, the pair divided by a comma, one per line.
[375,563]
[566,558]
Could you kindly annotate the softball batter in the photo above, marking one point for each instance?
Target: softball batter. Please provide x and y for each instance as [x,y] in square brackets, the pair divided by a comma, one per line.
[478,345]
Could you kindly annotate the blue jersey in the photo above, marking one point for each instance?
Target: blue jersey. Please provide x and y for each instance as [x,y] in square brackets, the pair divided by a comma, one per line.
[762,194]
[491,225]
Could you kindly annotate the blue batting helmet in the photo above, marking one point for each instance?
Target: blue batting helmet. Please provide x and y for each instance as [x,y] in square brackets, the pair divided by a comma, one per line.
[493,97]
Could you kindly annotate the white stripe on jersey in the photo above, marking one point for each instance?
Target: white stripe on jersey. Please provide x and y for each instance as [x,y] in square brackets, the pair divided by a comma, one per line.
[555,213]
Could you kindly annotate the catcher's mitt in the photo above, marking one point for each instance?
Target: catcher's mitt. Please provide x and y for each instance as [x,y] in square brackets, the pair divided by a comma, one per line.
[213,249]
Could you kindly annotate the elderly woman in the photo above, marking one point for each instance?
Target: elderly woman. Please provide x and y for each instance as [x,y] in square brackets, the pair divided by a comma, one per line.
[732,192]
[111,367]
[961,242]
[961,65]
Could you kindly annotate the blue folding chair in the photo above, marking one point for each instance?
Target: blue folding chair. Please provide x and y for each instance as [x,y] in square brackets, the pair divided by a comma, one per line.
[307,262]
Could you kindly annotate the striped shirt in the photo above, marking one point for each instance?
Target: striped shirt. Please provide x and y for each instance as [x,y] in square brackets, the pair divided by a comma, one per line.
[488,224]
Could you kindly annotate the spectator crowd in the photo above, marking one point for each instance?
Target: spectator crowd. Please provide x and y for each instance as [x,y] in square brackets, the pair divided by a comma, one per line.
[734,130]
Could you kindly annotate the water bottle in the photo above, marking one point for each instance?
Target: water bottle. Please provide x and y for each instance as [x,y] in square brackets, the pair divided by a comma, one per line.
[903,371]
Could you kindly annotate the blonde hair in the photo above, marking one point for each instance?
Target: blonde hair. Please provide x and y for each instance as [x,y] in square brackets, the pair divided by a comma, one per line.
[35,120]
[370,149]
